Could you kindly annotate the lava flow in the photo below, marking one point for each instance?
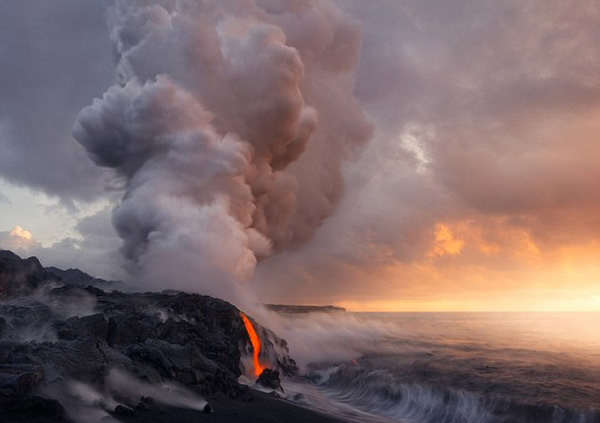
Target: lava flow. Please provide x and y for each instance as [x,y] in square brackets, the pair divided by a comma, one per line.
[255,340]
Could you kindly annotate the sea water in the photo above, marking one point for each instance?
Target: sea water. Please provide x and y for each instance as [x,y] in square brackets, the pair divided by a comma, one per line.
[463,367]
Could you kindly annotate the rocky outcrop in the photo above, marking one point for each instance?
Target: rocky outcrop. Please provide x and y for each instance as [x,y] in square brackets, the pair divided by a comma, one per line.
[192,339]
[78,277]
[270,379]
[52,335]
[21,277]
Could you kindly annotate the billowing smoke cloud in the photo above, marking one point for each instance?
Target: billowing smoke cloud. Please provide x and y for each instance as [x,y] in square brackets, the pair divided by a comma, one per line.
[228,129]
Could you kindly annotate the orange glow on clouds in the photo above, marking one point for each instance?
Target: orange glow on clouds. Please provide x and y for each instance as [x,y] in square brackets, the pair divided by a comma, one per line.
[18,239]
[491,236]
[528,300]
[486,265]
[19,232]
[446,242]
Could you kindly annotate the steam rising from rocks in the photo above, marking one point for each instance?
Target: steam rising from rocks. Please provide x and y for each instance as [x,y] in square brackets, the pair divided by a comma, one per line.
[228,128]
[86,404]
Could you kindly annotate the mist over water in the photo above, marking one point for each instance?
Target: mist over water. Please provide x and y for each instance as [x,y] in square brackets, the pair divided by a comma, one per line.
[463,367]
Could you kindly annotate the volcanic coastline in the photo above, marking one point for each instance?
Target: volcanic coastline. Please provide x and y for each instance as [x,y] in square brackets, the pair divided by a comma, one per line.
[70,351]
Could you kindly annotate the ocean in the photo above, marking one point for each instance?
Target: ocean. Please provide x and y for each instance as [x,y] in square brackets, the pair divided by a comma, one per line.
[449,367]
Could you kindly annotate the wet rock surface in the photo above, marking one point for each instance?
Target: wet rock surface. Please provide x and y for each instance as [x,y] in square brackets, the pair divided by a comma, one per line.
[49,335]
[270,379]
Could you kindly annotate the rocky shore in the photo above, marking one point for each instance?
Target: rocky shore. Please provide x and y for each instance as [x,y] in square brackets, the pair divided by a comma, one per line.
[70,351]
[304,309]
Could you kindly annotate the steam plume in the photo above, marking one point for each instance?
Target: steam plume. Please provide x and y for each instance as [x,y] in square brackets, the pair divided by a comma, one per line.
[228,128]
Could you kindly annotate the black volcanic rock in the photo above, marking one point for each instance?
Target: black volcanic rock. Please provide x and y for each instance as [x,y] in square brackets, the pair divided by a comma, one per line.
[31,409]
[77,333]
[71,276]
[269,378]
[122,410]
[19,379]
[198,346]
[79,277]
[94,325]
[21,277]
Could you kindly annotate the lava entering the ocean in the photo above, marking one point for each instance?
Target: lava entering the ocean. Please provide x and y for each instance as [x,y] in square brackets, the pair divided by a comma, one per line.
[255,340]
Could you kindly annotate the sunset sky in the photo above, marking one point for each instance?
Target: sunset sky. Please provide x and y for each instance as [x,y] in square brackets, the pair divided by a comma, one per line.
[469,149]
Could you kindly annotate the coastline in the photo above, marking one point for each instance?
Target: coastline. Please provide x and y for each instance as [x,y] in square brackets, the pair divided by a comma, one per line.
[191,340]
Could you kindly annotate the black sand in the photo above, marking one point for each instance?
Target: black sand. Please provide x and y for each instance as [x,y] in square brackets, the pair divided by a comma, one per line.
[263,408]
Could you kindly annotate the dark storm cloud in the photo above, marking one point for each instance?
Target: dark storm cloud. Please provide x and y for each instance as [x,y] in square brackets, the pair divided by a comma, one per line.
[55,57]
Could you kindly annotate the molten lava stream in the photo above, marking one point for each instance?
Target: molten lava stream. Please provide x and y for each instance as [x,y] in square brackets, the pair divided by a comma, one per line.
[255,340]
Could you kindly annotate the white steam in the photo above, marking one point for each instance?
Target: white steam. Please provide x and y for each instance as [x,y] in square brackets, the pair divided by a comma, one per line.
[125,386]
[31,317]
[228,129]
[330,337]
[87,404]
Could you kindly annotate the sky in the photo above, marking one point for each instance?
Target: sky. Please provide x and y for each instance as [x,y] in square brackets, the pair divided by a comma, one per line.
[384,156]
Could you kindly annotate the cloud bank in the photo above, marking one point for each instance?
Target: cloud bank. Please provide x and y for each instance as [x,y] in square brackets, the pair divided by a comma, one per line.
[486,119]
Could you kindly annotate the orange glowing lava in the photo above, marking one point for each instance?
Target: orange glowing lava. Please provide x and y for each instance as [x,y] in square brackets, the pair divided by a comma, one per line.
[255,340]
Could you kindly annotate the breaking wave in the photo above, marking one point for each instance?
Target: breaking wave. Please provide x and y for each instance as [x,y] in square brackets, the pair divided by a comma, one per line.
[381,393]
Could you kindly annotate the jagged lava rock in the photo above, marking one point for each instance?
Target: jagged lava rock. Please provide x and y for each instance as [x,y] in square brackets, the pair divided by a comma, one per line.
[78,277]
[79,333]
[20,276]
[269,378]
